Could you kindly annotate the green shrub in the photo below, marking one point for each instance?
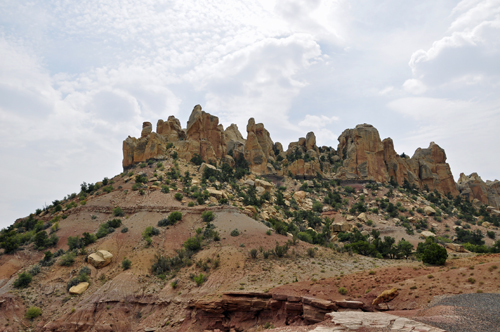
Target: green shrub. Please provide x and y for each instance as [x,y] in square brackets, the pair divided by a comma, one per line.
[268,232]
[126,263]
[118,212]
[150,231]
[34,270]
[207,216]
[191,204]
[23,280]
[193,244]
[165,189]
[491,234]
[253,253]
[68,259]
[342,290]
[124,230]
[33,312]
[199,279]
[178,196]
[432,253]
[235,232]
[311,252]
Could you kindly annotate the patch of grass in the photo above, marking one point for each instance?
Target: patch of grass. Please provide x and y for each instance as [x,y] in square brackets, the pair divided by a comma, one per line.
[342,290]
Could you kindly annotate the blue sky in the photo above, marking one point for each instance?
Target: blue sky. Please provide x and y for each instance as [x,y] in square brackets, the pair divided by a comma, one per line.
[76,78]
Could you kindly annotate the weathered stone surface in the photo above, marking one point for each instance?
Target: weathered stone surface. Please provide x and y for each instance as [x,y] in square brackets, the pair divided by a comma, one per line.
[386,296]
[350,304]
[234,139]
[204,128]
[170,129]
[79,289]
[215,193]
[258,148]
[100,258]
[375,320]
[147,128]
[473,187]
[367,157]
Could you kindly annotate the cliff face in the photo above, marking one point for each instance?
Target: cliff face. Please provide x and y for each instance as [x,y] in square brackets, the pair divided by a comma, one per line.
[361,155]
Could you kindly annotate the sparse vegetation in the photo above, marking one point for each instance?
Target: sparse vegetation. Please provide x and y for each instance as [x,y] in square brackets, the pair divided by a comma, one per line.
[33,312]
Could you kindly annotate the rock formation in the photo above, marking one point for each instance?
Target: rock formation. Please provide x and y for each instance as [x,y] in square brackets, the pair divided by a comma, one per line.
[366,157]
[259,148]
[473,187]
[306,167]
[361,155]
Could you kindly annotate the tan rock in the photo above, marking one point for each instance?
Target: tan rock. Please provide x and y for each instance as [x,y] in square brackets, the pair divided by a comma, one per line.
[266,185]
[258,148]
[170,129]
[79,289]
[455,247]
[215,193]
[386,296]
[426,234]
[299,196]
[340,227]
[234,139]
[362,217]
[429,211]
[100,258]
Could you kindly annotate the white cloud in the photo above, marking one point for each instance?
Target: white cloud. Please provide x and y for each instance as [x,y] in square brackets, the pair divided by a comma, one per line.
[414,86]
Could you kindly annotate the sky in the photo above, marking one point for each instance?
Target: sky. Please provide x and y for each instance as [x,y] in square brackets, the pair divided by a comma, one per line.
[78,77]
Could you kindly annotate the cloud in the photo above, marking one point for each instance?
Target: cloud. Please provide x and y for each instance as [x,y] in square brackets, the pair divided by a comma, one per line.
[467,130]
[470,49]
[258,81]
[414,86]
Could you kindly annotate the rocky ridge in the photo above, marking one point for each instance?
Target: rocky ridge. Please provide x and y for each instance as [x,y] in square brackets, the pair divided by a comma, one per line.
[360,156]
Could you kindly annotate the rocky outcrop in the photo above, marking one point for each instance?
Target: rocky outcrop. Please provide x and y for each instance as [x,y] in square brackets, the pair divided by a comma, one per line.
[204,136]
[171,129]
[308,166]
[473,187]
[259,148]
[241,310]
[366,157]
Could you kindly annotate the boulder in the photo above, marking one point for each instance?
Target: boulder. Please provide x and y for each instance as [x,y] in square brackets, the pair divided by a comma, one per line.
[429,211]
[79,289]
[204,166]
[426,234]
[100,258]
[266,185]
[362,217]
[299,196]
[215,193]
[386,296]
[340,227]
[455,247]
